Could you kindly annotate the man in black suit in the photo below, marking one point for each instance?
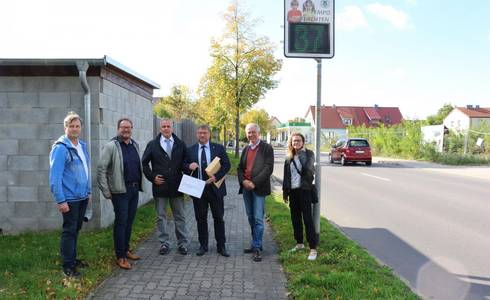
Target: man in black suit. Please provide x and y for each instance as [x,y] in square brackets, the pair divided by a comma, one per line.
[254,175]
[198,157]
[166,155]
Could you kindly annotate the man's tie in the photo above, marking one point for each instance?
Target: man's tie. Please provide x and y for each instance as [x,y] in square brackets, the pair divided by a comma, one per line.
[204,163]
[168,148]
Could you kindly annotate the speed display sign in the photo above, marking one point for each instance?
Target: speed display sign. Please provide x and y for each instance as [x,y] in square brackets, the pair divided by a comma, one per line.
[309,28]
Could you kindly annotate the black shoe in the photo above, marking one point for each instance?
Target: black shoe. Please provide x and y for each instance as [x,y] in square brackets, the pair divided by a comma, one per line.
[222,251]
[250,250]
[201,251]
[256,256]
[71,272]
[81,263]
[183,250]
[164,249]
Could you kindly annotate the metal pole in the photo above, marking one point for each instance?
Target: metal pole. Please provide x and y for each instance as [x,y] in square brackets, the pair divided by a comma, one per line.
[318,128]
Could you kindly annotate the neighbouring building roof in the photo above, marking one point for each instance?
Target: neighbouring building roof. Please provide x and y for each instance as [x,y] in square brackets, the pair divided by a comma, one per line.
[341,116]
[64,67]
[474,112]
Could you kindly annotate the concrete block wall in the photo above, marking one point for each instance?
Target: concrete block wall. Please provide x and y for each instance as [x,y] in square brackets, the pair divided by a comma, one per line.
[114,103]
[32,110]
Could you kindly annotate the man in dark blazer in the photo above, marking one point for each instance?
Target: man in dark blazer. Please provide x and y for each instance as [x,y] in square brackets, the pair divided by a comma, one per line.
[254,174]
[198,157]
[166,154]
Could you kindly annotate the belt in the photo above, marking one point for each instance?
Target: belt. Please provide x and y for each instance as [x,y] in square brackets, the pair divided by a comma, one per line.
[133,184]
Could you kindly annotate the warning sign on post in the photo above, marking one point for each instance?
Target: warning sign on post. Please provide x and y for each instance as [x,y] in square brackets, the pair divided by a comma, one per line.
[309,28]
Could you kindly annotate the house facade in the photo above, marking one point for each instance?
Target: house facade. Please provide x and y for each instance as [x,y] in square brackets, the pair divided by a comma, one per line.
[285,130]
[35,96]
[460,119]
[336,119]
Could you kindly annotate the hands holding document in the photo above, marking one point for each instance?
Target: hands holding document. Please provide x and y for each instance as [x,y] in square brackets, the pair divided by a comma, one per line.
[211,170]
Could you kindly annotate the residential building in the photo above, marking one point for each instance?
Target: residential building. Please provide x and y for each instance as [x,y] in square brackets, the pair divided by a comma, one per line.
[336,119]
[463,118]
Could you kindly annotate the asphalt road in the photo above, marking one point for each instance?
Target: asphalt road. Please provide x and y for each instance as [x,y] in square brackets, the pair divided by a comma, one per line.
[430,225]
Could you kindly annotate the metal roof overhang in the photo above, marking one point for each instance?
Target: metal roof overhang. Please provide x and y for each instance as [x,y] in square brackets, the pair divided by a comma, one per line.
[106,60]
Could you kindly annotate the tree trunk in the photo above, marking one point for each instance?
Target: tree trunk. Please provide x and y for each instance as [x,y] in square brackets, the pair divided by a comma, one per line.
[225,142]
[237,130]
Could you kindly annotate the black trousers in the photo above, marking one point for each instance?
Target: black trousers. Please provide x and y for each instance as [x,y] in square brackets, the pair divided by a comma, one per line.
[72,223]
[215,202]
[300,207]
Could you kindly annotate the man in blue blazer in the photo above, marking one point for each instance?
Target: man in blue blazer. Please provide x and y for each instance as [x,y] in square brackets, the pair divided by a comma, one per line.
[198,157]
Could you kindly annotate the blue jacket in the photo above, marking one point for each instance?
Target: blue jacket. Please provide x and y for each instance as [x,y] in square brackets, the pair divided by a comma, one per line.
[67,178]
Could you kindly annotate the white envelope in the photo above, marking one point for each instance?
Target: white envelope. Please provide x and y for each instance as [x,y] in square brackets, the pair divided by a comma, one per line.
[192,186]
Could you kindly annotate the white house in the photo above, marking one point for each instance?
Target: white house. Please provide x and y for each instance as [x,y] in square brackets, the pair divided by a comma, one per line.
[463,118]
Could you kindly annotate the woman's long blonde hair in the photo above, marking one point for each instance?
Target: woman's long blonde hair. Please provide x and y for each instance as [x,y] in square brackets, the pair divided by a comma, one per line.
[291,151]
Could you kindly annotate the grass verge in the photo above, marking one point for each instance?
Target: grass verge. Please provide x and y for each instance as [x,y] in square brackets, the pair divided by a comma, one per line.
[343,270]
[234,161]
[30,266]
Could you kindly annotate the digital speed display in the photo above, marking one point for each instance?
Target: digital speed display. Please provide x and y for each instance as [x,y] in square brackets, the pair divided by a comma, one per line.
[309,38]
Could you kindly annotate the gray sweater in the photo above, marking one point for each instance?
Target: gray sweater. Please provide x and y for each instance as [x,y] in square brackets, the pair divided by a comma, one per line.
[110,169]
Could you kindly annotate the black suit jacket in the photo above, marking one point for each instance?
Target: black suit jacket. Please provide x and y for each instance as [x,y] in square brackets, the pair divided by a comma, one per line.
[263,166]
[161,164]
[216,150]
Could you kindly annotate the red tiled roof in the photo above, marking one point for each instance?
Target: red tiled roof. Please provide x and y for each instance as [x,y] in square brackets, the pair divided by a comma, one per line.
[371,113]
[332,115]
[475,112]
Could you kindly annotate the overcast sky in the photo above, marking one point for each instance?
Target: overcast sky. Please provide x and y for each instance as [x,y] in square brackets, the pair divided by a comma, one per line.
[414,54]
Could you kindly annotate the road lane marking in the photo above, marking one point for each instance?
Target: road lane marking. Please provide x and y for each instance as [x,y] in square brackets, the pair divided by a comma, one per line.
[377,177]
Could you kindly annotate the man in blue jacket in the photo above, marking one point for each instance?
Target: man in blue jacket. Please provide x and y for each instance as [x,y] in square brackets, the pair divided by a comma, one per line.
[69,180]
[198,157]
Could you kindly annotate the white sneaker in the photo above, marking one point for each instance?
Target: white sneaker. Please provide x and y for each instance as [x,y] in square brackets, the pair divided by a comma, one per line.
[312,255]
[297,247]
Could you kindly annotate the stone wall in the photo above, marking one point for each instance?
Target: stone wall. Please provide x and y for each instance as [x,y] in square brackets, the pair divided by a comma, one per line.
[32,110]
[116,102]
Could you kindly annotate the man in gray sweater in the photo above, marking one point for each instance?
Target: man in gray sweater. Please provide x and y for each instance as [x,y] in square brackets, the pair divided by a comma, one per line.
[119,176]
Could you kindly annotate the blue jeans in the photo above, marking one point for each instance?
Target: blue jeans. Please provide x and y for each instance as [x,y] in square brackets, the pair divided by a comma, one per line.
[72,223]
[254,205]
[125,206]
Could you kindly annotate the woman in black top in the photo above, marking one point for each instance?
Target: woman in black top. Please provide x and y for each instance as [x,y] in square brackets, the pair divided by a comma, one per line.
[299,170]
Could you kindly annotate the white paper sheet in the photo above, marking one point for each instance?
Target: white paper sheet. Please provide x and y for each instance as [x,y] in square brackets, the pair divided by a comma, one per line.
[192,186]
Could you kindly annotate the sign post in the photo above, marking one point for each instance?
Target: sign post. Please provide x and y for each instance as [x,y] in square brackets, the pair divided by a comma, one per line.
[309,33]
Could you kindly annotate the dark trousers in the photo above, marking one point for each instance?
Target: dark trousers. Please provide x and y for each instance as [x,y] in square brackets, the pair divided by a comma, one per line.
[300,207]
[125,206]
[72,223]
[215,202]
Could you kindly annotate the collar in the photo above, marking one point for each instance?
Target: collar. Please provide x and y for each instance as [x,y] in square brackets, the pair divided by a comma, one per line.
[253,146]
[171,138]
[71,144]
[207,145]
[120,140]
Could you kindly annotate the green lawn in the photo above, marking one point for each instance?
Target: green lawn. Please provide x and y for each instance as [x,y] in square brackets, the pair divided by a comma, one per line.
[234,162]
[343,270]
[30,263]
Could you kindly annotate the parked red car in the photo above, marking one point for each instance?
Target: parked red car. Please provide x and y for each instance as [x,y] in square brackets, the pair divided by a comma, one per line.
[351,150]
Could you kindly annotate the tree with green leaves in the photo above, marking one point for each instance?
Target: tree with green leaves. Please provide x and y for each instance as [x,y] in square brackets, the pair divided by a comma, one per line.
[257,116]
[243,66]
[441,115]
[178,105]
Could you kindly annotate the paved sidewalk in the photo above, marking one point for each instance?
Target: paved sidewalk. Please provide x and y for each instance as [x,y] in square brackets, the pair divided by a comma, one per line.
[176,276]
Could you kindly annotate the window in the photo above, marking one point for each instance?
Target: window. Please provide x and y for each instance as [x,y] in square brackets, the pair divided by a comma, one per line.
[358,143]
[347,121]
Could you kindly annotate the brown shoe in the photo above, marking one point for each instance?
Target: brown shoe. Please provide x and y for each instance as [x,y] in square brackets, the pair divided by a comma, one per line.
[123,263]
[132,256]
